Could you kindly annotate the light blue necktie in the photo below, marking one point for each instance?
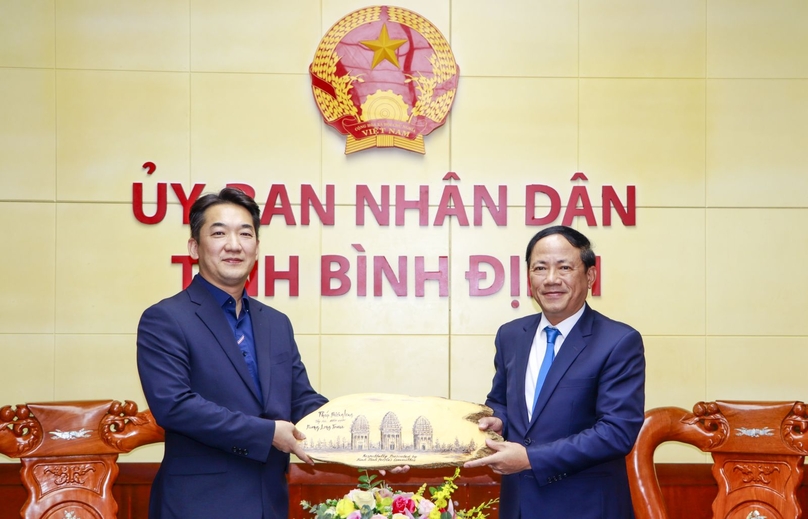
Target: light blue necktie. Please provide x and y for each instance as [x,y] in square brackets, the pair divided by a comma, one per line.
[549,353]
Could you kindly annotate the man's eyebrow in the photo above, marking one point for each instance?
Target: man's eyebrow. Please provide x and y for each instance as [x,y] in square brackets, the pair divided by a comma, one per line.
[544,261]
[242,226]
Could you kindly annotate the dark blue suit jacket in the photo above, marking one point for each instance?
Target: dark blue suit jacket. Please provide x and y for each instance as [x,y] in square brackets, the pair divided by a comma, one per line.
[219,460]
[586,420]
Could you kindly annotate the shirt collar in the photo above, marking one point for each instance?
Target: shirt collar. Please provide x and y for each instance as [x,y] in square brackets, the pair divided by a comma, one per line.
[220,295]
[565,326]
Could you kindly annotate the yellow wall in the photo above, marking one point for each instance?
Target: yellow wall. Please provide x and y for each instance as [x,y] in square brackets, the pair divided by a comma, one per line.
[702,104]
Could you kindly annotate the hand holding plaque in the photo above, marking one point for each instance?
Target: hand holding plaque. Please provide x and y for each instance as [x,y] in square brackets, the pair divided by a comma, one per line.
[378,430]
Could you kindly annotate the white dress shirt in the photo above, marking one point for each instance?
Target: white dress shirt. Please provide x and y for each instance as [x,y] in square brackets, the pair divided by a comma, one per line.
[538,349]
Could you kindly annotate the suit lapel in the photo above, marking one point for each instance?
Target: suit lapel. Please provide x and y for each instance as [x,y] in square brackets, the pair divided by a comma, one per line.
[573,345]
[522,354]
[213,318]
[262,334]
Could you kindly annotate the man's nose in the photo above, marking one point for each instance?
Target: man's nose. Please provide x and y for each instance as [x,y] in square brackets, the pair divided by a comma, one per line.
[232,242]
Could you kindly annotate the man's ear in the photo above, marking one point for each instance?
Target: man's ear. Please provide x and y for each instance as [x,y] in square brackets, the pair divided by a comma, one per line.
[591,276]
[193,248]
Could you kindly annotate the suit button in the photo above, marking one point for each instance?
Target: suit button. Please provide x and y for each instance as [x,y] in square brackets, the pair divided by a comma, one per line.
[528,441]
[234,450]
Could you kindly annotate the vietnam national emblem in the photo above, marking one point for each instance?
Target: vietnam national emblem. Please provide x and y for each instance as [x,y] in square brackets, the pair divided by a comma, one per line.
[384,77]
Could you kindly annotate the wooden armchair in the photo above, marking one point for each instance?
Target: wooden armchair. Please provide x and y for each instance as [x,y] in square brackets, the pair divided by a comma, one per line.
[69,453]
[758,451]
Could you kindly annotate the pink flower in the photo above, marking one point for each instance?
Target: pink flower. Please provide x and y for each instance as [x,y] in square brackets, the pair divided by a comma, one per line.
[424,507]
[356,514]
[403,502]
[383,492]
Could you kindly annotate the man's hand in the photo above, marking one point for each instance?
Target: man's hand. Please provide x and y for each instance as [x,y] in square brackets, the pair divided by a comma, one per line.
[509,458]
[395,470]
[490,423]
[286,440]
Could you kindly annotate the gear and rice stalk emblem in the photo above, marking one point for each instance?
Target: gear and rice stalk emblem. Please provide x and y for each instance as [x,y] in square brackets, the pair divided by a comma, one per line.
[384,77]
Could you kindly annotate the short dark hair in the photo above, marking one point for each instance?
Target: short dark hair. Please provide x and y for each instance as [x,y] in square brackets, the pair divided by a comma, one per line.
[576,239]
[228,195]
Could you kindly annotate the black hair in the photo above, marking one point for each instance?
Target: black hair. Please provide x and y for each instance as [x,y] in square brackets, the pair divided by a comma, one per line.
[228,195]
[576,239]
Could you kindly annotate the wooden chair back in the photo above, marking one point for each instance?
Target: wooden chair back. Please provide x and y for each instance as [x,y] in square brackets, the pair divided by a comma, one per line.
[69,453]
[758,451]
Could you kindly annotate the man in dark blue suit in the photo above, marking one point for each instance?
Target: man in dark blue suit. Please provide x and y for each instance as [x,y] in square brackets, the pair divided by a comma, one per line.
[568,394]
[223,376]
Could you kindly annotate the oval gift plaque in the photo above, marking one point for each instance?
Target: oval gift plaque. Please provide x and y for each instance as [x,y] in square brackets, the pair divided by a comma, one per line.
[378,430]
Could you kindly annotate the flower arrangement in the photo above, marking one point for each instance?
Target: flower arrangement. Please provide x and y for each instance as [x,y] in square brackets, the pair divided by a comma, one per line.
[373,499]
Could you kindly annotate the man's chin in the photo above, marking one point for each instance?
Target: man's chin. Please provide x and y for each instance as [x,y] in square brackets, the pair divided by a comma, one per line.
[234,278]
[553,306]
